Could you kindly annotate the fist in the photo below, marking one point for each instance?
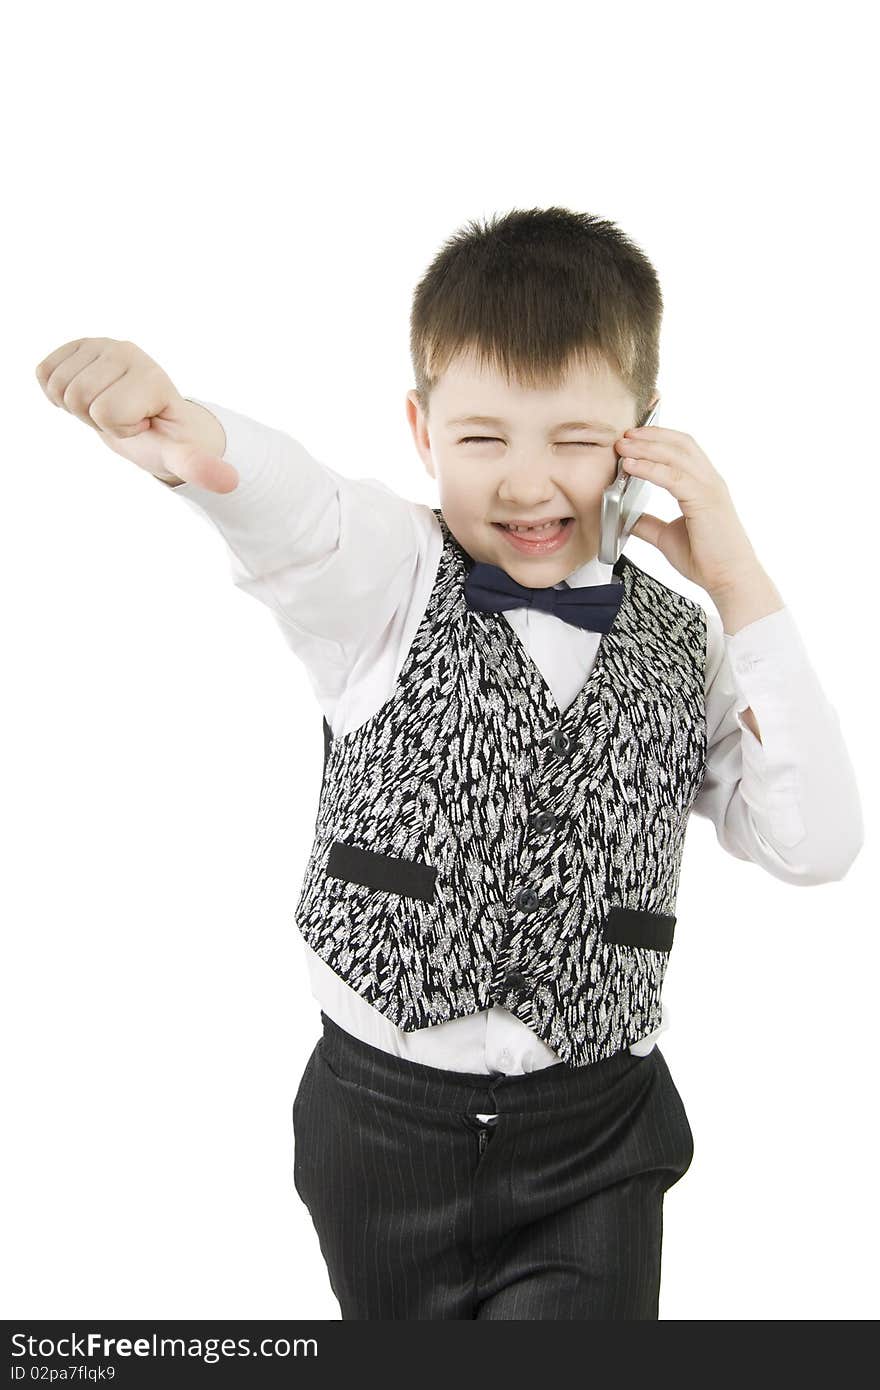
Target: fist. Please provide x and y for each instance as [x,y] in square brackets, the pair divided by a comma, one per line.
[136,410]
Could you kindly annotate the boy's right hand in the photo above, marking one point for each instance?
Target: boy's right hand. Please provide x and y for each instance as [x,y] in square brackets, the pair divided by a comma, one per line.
[138,412]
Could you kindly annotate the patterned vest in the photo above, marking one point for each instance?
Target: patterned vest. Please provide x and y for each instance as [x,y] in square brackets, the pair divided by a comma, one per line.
[475,846]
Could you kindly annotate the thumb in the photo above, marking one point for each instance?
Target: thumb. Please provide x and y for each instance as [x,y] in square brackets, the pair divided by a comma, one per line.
[123,431]
[648,528]
[195,465]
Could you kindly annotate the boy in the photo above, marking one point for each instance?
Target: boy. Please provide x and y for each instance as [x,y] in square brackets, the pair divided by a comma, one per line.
[515,735]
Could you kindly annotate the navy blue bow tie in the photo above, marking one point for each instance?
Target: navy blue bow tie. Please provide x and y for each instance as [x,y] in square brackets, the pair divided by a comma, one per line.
[490,589]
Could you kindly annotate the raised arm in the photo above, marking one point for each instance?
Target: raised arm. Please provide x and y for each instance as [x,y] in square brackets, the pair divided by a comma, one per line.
[333,557]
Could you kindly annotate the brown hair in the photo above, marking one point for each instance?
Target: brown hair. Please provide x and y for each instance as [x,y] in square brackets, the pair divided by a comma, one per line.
[533,292]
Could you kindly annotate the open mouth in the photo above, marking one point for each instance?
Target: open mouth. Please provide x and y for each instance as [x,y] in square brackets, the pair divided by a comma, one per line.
[547,536]
[544,527]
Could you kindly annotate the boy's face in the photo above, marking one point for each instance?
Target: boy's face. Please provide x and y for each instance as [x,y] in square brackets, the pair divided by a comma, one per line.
[523,466]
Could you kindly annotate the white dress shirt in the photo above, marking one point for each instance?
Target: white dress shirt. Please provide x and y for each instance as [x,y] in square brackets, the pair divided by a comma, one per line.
[347,567]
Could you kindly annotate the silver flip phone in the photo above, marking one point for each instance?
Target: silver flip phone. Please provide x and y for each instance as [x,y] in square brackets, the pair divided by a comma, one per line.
[623,502]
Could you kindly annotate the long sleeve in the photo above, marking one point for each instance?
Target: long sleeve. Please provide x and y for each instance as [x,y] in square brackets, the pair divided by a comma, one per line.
[331,556]
[789,800]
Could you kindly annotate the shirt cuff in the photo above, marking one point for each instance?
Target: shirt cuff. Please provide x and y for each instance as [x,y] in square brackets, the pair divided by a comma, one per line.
[774,677]
[769,663]
[768,650]
[283,498]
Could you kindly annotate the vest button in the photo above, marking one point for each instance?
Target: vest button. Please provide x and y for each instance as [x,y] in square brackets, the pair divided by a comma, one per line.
[544,822]
[559,741]
[527,899]
[515,980]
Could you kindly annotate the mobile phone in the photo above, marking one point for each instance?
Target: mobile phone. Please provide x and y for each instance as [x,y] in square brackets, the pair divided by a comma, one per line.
[623,502]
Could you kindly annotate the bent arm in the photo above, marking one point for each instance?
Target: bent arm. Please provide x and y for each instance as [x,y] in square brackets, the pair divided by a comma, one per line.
[786,799]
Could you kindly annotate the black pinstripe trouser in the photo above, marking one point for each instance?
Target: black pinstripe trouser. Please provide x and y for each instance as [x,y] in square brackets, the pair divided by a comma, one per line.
[424,1212]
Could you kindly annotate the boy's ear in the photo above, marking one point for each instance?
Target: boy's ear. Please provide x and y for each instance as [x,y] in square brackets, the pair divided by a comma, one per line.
[413,414]
[416,424]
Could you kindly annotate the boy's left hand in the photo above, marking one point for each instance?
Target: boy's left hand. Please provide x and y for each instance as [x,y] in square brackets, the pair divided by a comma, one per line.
[707,544]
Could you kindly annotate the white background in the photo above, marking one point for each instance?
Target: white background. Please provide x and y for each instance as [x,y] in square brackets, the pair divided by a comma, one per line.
[251,194]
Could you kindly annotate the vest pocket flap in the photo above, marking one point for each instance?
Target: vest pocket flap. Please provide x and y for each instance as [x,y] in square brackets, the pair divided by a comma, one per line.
[408,877]
[636,926]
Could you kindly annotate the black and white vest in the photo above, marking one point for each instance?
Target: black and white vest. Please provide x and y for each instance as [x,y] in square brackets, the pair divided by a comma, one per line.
[475,846]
